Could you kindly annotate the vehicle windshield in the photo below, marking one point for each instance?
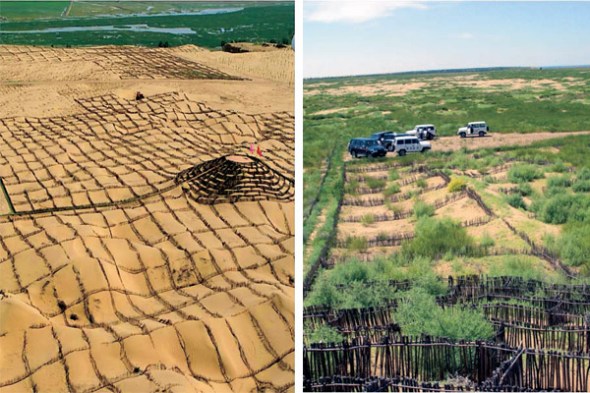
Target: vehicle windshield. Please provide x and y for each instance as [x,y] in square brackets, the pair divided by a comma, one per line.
[371,142]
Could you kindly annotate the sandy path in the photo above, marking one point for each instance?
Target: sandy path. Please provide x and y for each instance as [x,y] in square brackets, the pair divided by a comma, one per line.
[453,143]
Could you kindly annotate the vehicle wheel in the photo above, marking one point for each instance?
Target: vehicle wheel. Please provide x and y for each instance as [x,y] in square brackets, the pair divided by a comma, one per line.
[402,153]
[482,134]
[430,137]
[355,154]
[462,135]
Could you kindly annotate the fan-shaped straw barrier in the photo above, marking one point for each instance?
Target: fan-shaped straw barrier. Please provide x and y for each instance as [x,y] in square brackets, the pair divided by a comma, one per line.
[235,178]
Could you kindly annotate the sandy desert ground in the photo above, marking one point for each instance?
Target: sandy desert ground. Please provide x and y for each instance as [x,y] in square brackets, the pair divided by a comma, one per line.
[453,143]
[147,247]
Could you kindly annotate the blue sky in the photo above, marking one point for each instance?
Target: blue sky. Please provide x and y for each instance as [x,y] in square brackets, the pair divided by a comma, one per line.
[365,37]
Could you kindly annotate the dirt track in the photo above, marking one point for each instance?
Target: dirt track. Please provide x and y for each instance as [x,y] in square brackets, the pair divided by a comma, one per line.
[453,143]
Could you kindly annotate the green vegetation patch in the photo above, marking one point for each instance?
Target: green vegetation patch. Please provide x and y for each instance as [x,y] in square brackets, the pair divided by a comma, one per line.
[418,314]
[524,173]
[436,238]
[250,22]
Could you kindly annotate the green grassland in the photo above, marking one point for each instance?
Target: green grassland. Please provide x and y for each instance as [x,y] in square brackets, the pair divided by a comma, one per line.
[442,103]
[561,166]
[251,22]
[551,100]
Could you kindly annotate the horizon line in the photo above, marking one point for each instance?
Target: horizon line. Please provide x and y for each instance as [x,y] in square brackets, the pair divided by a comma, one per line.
[447,70]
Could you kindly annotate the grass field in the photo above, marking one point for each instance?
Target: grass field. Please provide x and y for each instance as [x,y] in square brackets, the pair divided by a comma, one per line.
[536,189]
[144,23]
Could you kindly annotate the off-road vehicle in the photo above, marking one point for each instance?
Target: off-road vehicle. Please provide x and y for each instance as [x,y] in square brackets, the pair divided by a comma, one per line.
[410,144]
[366,147]
[474,128]
[423,131]
[387,138]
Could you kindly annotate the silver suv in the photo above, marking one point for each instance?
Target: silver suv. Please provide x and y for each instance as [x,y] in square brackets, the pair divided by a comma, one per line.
[474,128]
[423,131]
[410,144]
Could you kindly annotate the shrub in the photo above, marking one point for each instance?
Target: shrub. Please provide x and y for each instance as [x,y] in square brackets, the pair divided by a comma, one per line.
[324,293]
[486,241]
[524,173]
[524,189]
[381,236]
[374,183]
[356,244]
[393,174]
[559,167]
[490,179]
[583,174]
[574,245]
[423,209]
[354,275]
[559,181]
[351,187]
[367,219]
[422,183]
[456,185]
[555,190]
[516,201]
[561,208]
[514,265]
[435,238]
[323,334]
[461,161]
[393,207]
[391,190]
[581,186]
[419,314]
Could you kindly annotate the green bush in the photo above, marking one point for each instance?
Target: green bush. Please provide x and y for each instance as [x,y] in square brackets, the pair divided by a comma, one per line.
[374,183]
[356,243]
[355,275]
[562,207]
[516,201]
[422,183]
[490,179]
[574,245]
[486,241]
[323,334]
[393,174]
[524,189]
[515,265]
[456,185]
[368,219]
[418,314]
[583,174]
[435,238]
[381,236]
[392,207]
[391,190]
[581,185]
[524,173]
[559,181]
[558,167]
[351,187]
[423,209]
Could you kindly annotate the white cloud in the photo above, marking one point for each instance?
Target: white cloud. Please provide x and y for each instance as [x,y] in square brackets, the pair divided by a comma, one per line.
[355,11]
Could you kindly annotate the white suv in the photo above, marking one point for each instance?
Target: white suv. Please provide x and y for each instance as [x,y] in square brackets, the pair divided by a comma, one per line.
[423,131]
[410,144]
[474,128]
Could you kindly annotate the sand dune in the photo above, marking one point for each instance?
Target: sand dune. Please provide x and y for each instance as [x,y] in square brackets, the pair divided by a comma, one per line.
[151,249]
